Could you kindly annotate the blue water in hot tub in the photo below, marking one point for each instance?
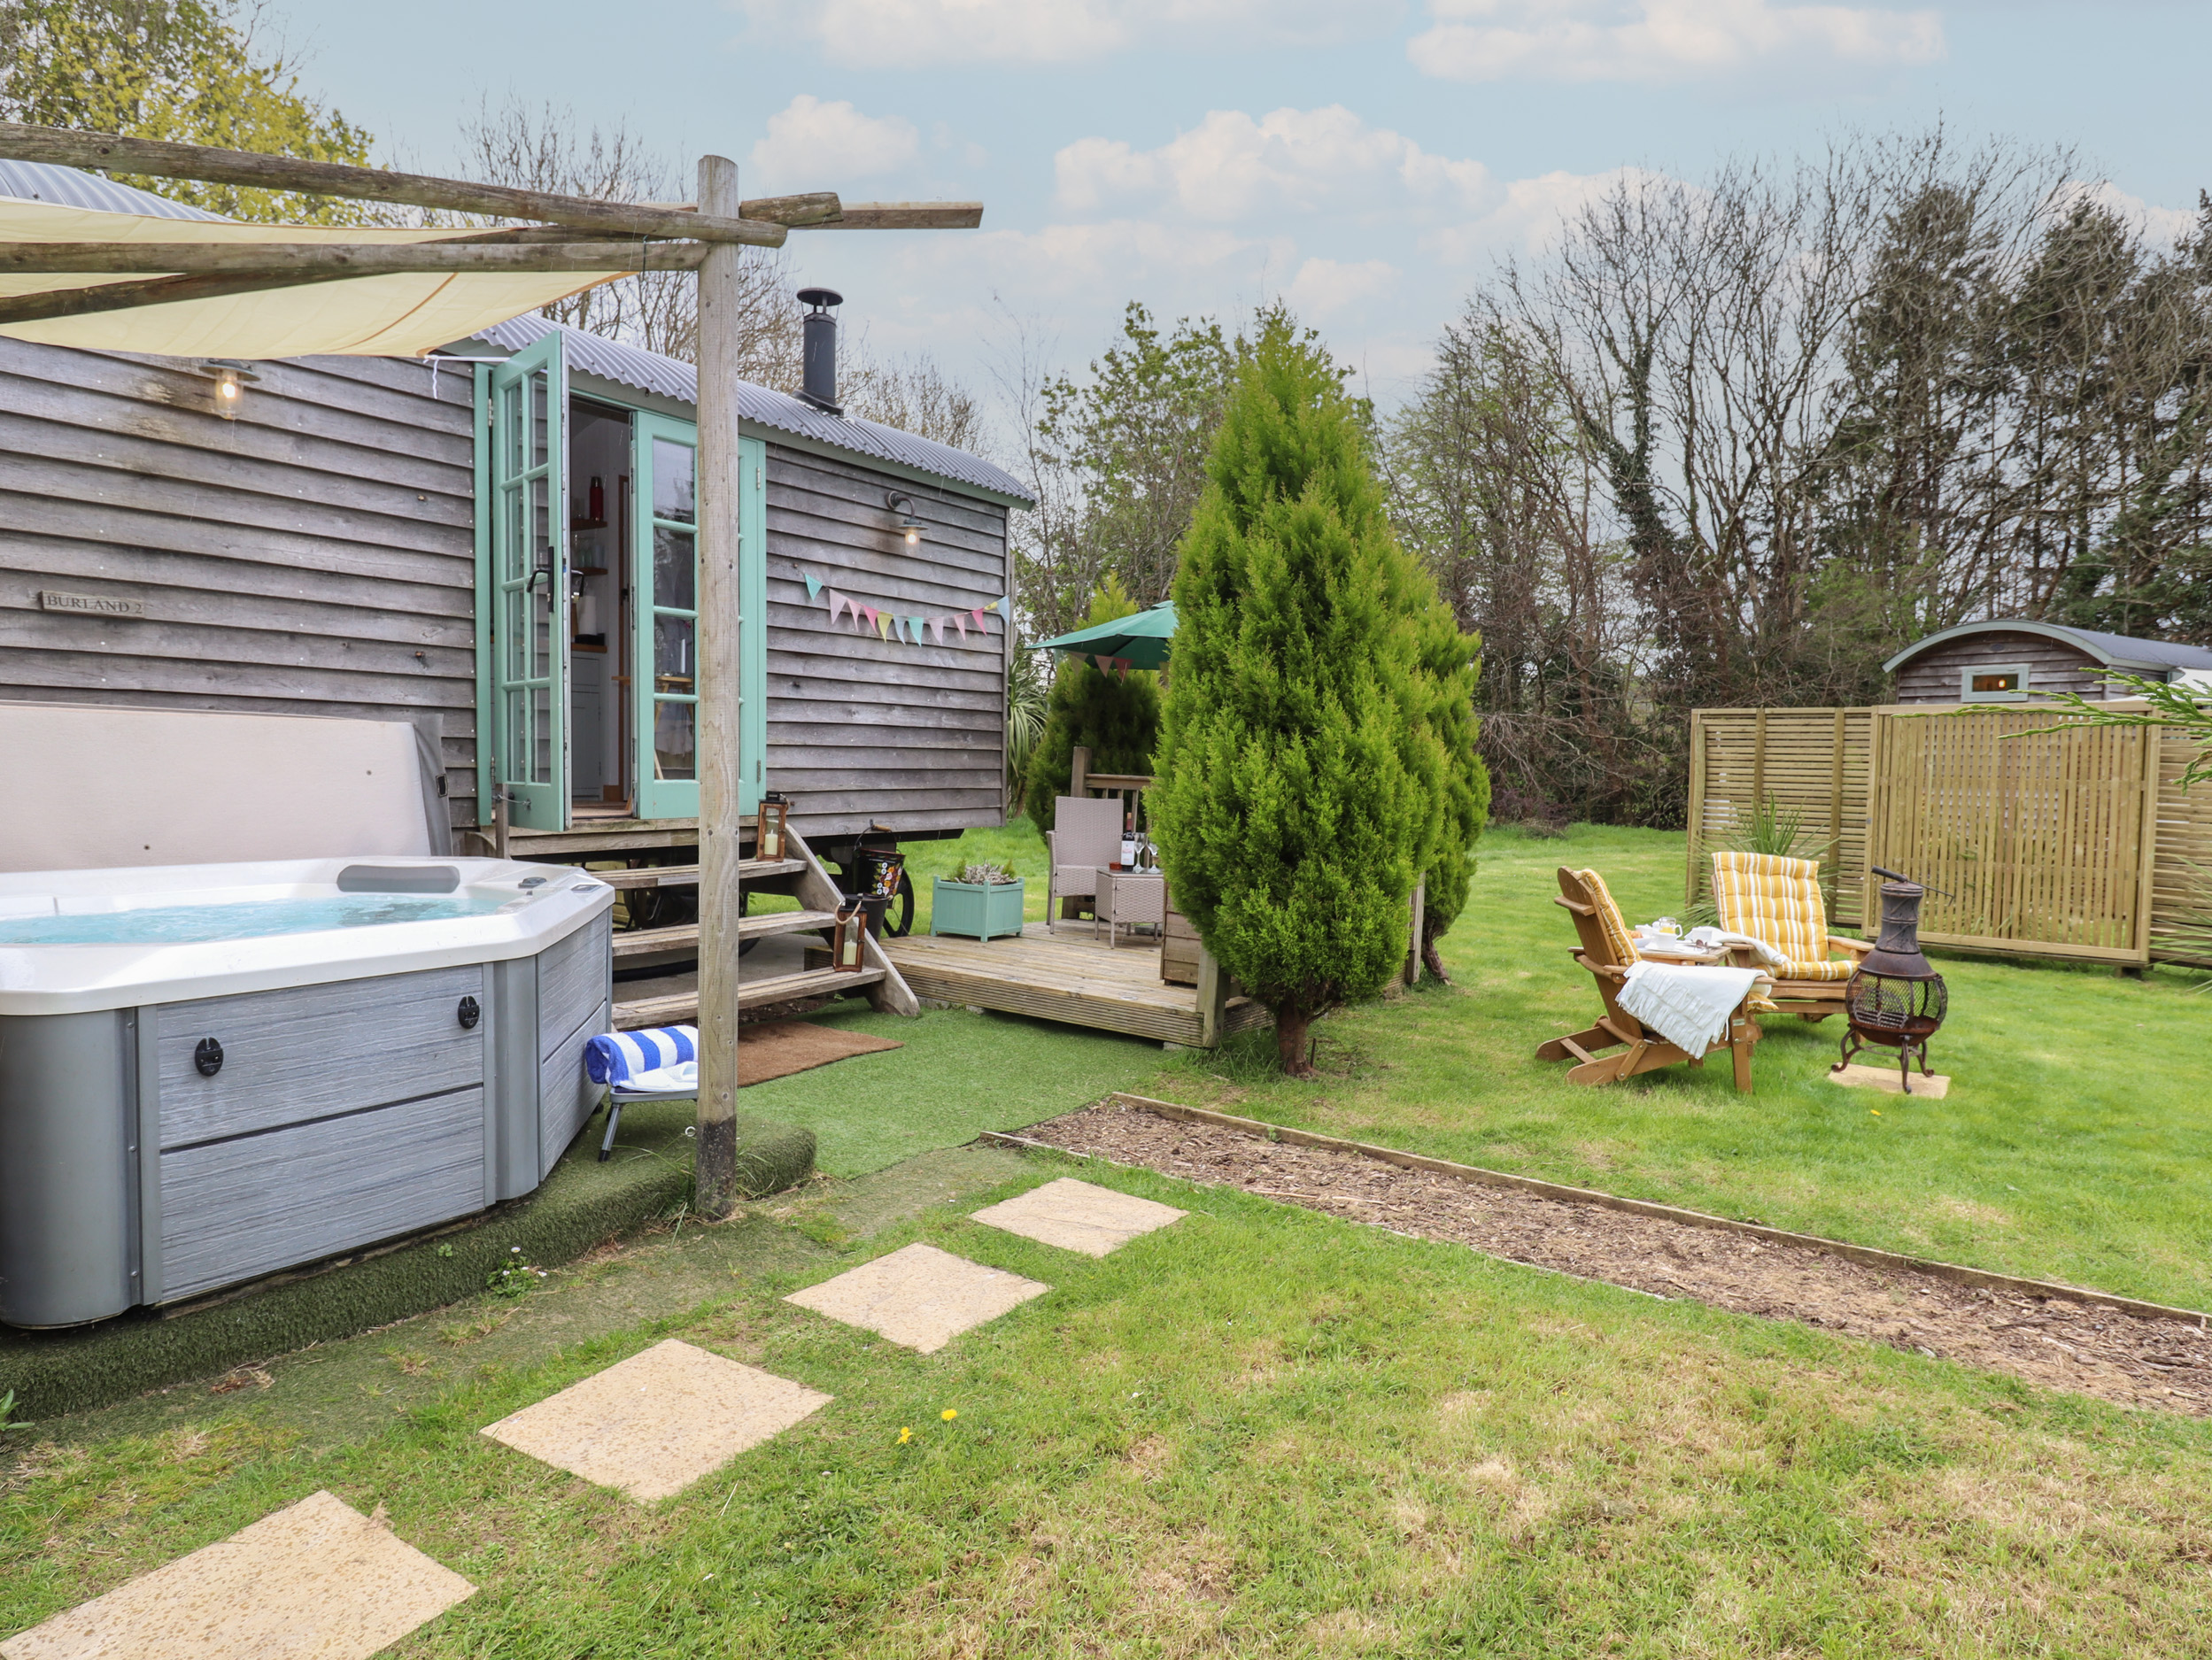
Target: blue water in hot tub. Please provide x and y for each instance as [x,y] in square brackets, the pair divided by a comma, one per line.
[245,919]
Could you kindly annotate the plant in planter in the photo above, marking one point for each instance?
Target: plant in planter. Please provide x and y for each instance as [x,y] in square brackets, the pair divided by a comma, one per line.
[987,900]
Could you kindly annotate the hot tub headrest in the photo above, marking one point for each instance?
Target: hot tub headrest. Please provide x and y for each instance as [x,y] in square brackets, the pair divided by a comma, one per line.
[399,879]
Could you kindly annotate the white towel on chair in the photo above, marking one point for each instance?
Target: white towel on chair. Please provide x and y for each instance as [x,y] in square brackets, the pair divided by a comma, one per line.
[1689,1008]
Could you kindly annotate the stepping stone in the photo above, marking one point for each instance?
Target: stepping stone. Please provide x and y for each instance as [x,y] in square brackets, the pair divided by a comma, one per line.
[1079,1217]
[653,1423]
[317,1579]
[918,1296]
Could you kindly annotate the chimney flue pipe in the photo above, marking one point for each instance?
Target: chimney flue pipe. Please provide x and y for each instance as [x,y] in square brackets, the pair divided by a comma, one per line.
[818,349]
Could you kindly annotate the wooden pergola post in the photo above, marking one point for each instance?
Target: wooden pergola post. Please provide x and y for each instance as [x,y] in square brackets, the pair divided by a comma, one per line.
[721,718]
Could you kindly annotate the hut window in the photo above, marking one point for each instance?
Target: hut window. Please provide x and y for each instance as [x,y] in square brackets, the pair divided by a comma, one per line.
[1994,682]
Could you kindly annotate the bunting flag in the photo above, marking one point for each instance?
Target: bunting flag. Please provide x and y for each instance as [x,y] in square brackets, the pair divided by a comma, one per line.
[891,626]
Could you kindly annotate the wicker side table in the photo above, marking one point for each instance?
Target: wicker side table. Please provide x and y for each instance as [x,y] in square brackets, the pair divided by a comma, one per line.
[1126,898]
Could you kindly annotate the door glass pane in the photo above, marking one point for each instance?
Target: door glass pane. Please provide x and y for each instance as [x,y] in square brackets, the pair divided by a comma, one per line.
[672,484]
[539,425]
[674,662]
[541,530]
[675,740]
[511,433]
[674,571]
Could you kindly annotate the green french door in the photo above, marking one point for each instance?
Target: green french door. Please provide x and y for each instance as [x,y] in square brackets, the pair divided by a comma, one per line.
[530,582]
[665,616]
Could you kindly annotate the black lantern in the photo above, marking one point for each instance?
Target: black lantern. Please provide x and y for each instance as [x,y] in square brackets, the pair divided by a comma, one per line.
[1896,999]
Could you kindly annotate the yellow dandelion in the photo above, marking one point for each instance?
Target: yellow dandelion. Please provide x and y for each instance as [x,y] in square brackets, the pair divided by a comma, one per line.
[1877,1111]
[948,1415]
[906,1435]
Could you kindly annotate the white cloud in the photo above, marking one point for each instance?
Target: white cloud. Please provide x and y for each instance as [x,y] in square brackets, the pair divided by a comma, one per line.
[1663,40]
[1328,288]
[2160,227]
[899,33]
[810,140]
[1231,167]
[1529,216]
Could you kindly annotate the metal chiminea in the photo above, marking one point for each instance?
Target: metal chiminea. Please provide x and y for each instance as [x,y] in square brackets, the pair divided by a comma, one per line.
[817,356]
[1896,998]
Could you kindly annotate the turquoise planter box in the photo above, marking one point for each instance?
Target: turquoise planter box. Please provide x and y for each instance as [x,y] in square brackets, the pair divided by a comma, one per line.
[982,909]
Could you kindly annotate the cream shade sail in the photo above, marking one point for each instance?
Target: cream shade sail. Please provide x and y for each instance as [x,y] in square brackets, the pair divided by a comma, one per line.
[393,315]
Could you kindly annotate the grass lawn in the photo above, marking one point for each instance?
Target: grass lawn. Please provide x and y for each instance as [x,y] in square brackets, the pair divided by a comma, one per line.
[2075,1143]
[1260,1429]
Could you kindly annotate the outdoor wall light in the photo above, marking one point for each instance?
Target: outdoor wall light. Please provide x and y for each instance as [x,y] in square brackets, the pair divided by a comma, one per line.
[909,527]
[230,377]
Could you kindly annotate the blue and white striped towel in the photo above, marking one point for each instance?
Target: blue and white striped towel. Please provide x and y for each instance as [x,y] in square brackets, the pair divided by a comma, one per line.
[615,1057]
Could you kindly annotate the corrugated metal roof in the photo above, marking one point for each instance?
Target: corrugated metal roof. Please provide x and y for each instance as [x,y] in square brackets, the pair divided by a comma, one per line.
[71,187]
[671,377]
[2114,651]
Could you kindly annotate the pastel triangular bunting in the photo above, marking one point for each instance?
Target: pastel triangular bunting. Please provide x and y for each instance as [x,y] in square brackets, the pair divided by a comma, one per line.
[814,585]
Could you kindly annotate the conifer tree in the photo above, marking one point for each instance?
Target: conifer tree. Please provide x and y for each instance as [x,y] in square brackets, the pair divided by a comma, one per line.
[1298,792]
[1452,662]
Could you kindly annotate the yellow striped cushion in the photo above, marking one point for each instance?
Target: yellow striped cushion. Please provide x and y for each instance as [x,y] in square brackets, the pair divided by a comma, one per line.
[1617,938]
[1778,900]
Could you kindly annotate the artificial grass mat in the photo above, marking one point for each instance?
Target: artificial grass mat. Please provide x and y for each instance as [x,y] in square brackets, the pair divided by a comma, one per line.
[960,1073]
[580,1203]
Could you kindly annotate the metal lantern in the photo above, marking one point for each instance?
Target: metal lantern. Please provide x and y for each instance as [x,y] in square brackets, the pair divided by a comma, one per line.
[845,939]
[770,838]
[1896,999]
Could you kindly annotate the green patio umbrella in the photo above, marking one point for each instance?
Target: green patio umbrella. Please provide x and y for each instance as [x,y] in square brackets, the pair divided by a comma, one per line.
[1139,641]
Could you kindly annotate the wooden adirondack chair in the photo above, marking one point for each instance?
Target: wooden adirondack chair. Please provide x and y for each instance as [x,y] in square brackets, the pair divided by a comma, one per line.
[1607,949]
[1778,900]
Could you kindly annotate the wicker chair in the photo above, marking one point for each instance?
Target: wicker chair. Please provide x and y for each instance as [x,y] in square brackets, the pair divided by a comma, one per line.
[1084,838]
[1778,900]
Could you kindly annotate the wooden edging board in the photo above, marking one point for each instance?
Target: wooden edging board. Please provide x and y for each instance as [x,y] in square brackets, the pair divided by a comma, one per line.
[1479,1176]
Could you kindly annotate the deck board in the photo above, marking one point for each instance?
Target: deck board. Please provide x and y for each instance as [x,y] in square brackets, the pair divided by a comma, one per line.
[1063,975]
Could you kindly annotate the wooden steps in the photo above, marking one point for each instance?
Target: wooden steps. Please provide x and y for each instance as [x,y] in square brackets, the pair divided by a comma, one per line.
[645,942]
[682,1007]
[688,875]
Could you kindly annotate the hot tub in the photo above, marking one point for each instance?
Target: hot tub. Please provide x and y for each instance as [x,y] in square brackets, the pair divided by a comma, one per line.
[214,1072]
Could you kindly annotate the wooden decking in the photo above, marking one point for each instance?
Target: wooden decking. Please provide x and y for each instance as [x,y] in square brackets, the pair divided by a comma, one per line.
[1065,977]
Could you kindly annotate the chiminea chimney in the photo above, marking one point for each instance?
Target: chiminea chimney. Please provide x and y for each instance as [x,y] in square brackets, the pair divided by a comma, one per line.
[818,349]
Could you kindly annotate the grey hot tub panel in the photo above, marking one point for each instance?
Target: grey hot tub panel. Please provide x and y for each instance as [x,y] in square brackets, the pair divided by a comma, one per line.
[343,1113]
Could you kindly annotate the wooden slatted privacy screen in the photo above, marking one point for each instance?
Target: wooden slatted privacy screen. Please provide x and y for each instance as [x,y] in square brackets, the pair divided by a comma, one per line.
[2073,844]
[1813,760]
[2036,841]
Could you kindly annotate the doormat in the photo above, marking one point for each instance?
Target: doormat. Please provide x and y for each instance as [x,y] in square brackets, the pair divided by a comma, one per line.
[777,1048]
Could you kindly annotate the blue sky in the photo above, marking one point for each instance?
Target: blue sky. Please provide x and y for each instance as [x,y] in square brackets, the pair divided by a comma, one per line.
[1370,160]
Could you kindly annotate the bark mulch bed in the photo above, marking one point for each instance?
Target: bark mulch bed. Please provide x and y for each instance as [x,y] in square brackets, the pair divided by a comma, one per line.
[2047,1340]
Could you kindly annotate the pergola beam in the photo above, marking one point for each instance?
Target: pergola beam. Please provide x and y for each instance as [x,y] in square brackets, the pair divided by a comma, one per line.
[158,158]
[180,258]
[903,216]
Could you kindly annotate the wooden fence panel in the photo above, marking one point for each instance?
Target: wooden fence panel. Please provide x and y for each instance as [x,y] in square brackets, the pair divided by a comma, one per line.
[1811,759]
[2075,844]
[2029,840]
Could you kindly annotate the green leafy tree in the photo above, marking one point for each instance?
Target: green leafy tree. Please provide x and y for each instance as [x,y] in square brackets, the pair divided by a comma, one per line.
[1451,664]
[189,70]
[1299,795]
[1117,716]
